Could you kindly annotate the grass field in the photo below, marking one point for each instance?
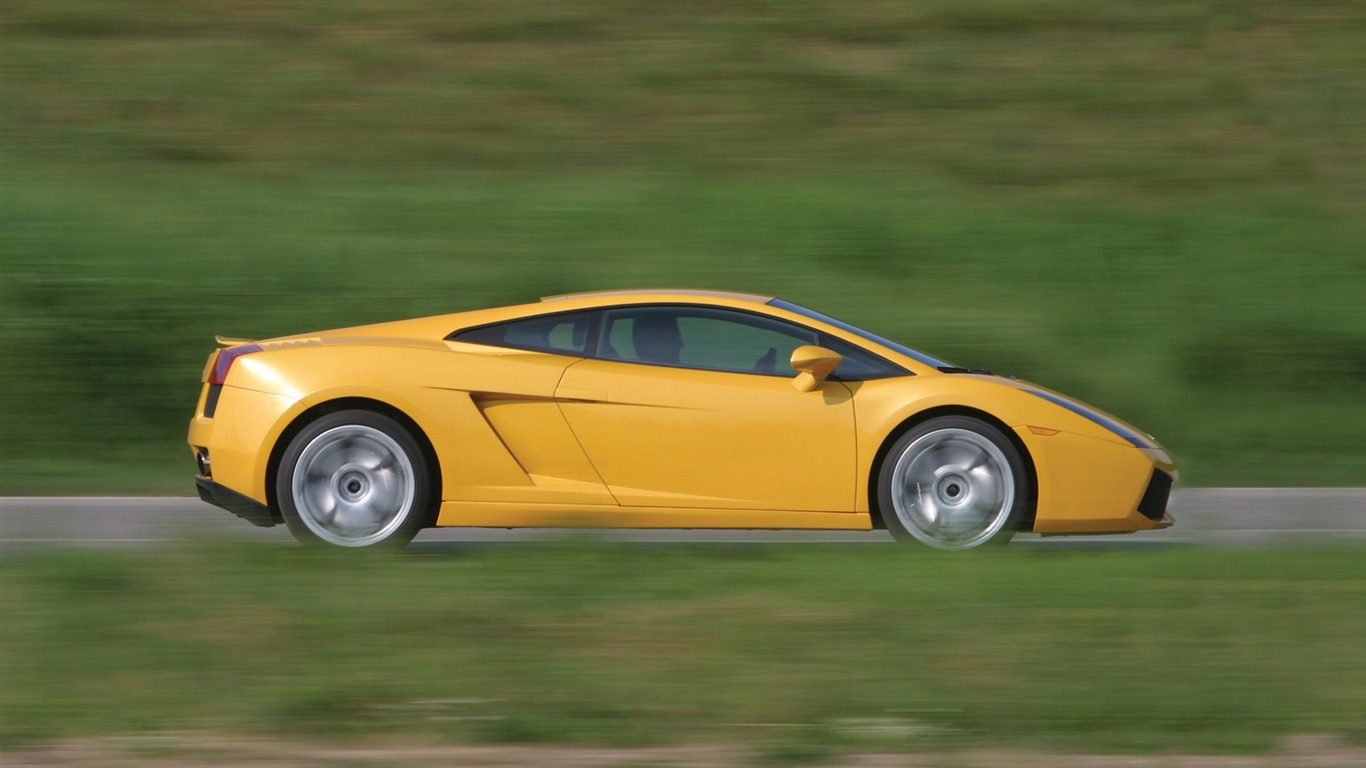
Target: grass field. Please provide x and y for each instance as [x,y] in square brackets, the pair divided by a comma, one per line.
[799,650]
[1157,208]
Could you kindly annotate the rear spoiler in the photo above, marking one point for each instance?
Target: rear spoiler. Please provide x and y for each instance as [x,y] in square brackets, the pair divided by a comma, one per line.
[225,341]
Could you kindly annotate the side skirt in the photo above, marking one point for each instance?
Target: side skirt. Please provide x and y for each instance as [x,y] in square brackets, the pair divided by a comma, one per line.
[482,514]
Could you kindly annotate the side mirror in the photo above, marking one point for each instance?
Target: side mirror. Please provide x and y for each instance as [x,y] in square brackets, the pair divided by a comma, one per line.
[813,364]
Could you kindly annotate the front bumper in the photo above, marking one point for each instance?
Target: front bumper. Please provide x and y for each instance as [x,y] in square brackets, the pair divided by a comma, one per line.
[1088,485]
[248,509]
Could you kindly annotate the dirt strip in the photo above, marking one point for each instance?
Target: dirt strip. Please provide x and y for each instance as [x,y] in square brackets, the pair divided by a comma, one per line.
[250,752]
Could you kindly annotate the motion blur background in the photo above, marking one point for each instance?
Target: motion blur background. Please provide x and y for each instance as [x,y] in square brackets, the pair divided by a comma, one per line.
[1157,207]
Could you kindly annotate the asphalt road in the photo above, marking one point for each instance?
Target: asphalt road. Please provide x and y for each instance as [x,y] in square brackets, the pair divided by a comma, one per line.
[1206,516]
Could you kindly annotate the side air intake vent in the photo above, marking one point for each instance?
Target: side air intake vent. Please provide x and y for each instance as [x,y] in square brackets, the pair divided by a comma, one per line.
[1153,505]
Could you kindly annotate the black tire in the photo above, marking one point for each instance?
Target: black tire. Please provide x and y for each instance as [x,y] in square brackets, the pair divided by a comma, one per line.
[953,483]
[355,479]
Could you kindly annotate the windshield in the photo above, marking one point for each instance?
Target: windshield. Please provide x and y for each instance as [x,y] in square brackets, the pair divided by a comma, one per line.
[914,354]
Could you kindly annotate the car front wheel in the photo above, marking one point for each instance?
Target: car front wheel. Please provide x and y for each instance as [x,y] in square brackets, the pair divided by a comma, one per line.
[355,479]
[953,483]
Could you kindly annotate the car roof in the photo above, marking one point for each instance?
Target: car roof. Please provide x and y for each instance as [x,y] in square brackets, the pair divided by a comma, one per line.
[664,293]
[444,326]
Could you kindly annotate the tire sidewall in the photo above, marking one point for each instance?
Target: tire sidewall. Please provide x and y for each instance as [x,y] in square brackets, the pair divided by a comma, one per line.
[420,511]
[1019,472]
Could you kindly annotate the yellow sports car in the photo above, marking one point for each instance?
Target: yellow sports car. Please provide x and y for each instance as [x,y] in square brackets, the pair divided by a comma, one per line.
[653,409]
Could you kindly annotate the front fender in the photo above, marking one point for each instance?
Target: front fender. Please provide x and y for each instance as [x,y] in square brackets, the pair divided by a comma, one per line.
[883,407]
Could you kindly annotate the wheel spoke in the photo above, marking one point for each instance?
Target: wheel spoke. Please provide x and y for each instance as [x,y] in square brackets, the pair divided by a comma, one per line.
[325,464]
[960,455]
[321,504]
[986,489]
[356,454]
[356,519]
[928,511]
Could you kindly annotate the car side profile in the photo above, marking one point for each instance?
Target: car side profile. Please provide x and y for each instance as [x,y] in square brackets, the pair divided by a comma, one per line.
[654,409]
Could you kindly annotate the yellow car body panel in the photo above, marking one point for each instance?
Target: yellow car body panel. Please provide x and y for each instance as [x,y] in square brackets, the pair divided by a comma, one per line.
[674,437]
[528,438]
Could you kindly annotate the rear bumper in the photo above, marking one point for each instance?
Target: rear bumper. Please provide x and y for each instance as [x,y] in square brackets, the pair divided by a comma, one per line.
[246,508]
[240,437]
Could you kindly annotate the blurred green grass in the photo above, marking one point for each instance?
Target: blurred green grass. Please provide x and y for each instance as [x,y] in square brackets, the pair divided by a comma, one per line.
[1156,208]
[848,648]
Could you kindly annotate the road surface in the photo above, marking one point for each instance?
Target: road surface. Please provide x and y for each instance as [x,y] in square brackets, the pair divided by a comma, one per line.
[1258,516]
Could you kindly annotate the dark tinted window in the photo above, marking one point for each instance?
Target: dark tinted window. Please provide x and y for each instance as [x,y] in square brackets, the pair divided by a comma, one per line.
[563,334]
[858,364]
[699,337]
[914,354]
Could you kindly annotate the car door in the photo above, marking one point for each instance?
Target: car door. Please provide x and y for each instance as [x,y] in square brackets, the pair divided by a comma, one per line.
[514,444]
[694,407]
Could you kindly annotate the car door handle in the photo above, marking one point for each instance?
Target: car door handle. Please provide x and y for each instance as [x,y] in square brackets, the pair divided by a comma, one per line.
[580,395]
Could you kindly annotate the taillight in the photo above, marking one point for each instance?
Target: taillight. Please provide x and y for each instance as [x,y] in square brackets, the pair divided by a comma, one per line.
[225,359]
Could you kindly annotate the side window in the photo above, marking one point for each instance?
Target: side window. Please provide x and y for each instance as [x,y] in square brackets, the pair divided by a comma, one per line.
[563,334]
[699,337]
[859,365]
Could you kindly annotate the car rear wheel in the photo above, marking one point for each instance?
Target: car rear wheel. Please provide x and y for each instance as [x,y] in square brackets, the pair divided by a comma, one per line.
[953,483]
[355,479]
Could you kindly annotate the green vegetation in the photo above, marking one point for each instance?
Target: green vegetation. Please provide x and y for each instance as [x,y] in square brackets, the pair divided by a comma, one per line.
[798,649]
[1156,207]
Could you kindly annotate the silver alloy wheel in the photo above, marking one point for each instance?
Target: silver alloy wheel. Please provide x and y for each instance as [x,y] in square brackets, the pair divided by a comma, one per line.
[953,489]
[353,485]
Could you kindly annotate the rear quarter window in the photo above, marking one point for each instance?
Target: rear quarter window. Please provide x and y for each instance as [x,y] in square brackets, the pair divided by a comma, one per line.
[562,334]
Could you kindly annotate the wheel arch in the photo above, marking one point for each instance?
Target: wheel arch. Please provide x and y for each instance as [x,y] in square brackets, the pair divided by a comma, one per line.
[915,420]
[348,404]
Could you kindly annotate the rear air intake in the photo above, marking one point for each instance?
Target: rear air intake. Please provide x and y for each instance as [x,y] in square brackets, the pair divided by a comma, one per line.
[211,400]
